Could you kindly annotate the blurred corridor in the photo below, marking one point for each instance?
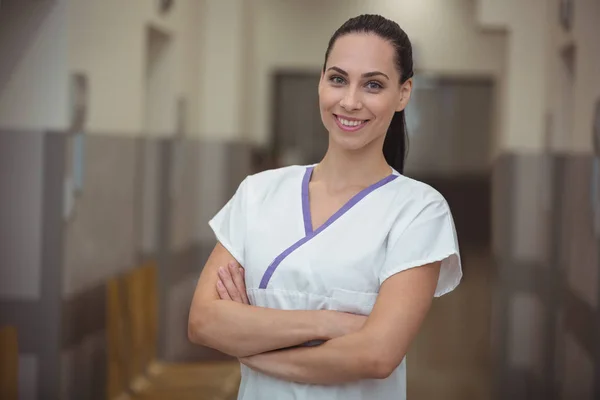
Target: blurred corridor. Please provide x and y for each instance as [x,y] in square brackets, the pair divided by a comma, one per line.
[125,126]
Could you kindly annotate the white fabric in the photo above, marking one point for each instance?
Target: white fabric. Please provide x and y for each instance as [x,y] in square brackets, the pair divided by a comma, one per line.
[399,225]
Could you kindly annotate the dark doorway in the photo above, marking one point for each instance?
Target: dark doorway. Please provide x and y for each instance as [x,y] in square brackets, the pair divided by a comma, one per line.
[298,135]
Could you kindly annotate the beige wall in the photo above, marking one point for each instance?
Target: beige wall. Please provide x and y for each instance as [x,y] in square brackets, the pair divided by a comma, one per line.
[238,44]
[294,34]
[33,66]
[560,93]
[586,36]
[225,70]
[539,99]
[223,54]
[524,91]
[108,43]
[571,100]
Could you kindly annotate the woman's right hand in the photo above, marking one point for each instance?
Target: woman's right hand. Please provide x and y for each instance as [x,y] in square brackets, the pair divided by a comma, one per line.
[231,283]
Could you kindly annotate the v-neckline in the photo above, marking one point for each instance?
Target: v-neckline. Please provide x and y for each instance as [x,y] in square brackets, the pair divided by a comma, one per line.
[307,216]
[308,228]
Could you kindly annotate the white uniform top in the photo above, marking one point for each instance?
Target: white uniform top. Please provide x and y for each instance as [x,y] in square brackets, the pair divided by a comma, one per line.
[393,225]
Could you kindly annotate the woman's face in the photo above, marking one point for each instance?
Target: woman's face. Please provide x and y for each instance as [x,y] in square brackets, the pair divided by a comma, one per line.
[360,91]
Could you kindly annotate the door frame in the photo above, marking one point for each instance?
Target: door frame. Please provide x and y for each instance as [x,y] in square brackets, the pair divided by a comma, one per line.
[276,77]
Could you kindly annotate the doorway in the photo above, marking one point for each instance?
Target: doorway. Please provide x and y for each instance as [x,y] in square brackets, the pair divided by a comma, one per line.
[298,134]
[450,138]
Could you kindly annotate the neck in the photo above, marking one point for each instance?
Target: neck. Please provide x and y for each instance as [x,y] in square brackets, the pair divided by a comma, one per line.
[347,168]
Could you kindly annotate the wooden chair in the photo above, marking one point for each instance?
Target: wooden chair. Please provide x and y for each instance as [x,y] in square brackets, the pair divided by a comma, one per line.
[135,310]
[150,379]
[9,363]
[125,379]
[180,374]
[117,347]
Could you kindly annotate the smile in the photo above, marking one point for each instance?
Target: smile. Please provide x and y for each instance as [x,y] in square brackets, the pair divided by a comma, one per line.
[350,124]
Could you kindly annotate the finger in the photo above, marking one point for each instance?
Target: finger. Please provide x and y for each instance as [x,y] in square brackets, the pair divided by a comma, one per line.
[229,285]
[222,291]
[227,281]
[238,281]
[243,275]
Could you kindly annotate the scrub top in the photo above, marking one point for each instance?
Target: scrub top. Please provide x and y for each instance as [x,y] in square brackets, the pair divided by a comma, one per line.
[393,225]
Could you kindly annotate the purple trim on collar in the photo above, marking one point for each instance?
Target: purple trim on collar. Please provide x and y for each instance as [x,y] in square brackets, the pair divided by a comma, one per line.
[269,272]
[308,228]
[352,202]
[308,220]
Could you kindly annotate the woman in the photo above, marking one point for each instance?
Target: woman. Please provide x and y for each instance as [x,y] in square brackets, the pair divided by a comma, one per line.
[341,260]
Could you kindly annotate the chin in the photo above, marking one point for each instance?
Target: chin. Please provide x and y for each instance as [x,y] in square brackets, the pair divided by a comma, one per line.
[349,142]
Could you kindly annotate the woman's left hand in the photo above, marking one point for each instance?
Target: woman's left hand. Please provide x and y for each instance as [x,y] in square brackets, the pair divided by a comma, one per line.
[231,284]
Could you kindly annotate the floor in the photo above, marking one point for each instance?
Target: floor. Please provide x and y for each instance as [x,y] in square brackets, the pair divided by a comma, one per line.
[450,358]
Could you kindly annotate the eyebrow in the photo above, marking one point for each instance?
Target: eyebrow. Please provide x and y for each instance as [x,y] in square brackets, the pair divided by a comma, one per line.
[365,75]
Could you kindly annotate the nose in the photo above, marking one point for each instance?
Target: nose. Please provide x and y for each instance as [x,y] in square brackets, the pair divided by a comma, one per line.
[351,100]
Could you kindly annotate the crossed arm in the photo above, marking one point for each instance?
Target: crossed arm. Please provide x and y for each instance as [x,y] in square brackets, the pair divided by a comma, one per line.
[355,348]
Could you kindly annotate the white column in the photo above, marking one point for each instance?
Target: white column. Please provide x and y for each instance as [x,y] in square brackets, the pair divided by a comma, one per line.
[587,72]
[524,103]
[222,67]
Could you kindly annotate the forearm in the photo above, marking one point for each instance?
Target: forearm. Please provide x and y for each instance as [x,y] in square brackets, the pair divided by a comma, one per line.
[241,330]
[345,359]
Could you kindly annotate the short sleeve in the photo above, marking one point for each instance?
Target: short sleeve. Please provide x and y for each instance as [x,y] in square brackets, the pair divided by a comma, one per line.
[229,224]
[429,237]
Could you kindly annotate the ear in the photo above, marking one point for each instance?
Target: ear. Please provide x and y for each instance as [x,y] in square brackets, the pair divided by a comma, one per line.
[405,92]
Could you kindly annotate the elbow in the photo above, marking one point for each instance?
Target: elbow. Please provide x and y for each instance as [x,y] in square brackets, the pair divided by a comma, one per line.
[381,370]
[192,332]
[202,331]
[198,322]
[379,365]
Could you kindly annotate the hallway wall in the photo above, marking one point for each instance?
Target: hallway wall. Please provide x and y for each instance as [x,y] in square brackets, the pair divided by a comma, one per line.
[547,281]
[73,246]
[33,71]
[107,42]
[21,239]
[547,268]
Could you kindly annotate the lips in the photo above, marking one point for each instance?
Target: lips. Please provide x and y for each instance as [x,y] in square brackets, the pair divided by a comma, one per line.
[350,124]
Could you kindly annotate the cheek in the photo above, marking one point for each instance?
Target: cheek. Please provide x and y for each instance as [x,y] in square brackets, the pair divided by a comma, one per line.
[327,98]
[383,109]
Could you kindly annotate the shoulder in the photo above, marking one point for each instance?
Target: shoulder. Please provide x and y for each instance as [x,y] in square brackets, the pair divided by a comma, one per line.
[419,215]
[416,192]
[272,176]
[260,184]
[415,202]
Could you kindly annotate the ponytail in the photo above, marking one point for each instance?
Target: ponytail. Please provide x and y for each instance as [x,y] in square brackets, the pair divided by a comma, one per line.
[394,145]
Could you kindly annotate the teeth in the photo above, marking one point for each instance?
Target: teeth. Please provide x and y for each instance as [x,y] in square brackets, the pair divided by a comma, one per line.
[345,122]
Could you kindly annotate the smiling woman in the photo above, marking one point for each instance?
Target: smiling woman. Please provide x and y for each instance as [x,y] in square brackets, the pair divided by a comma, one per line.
[366,84]
[347,254]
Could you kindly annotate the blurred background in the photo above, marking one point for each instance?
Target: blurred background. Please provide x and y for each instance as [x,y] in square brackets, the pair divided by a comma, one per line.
[126,125]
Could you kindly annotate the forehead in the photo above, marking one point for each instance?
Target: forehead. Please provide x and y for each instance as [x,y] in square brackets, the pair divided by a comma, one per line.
[361,52]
